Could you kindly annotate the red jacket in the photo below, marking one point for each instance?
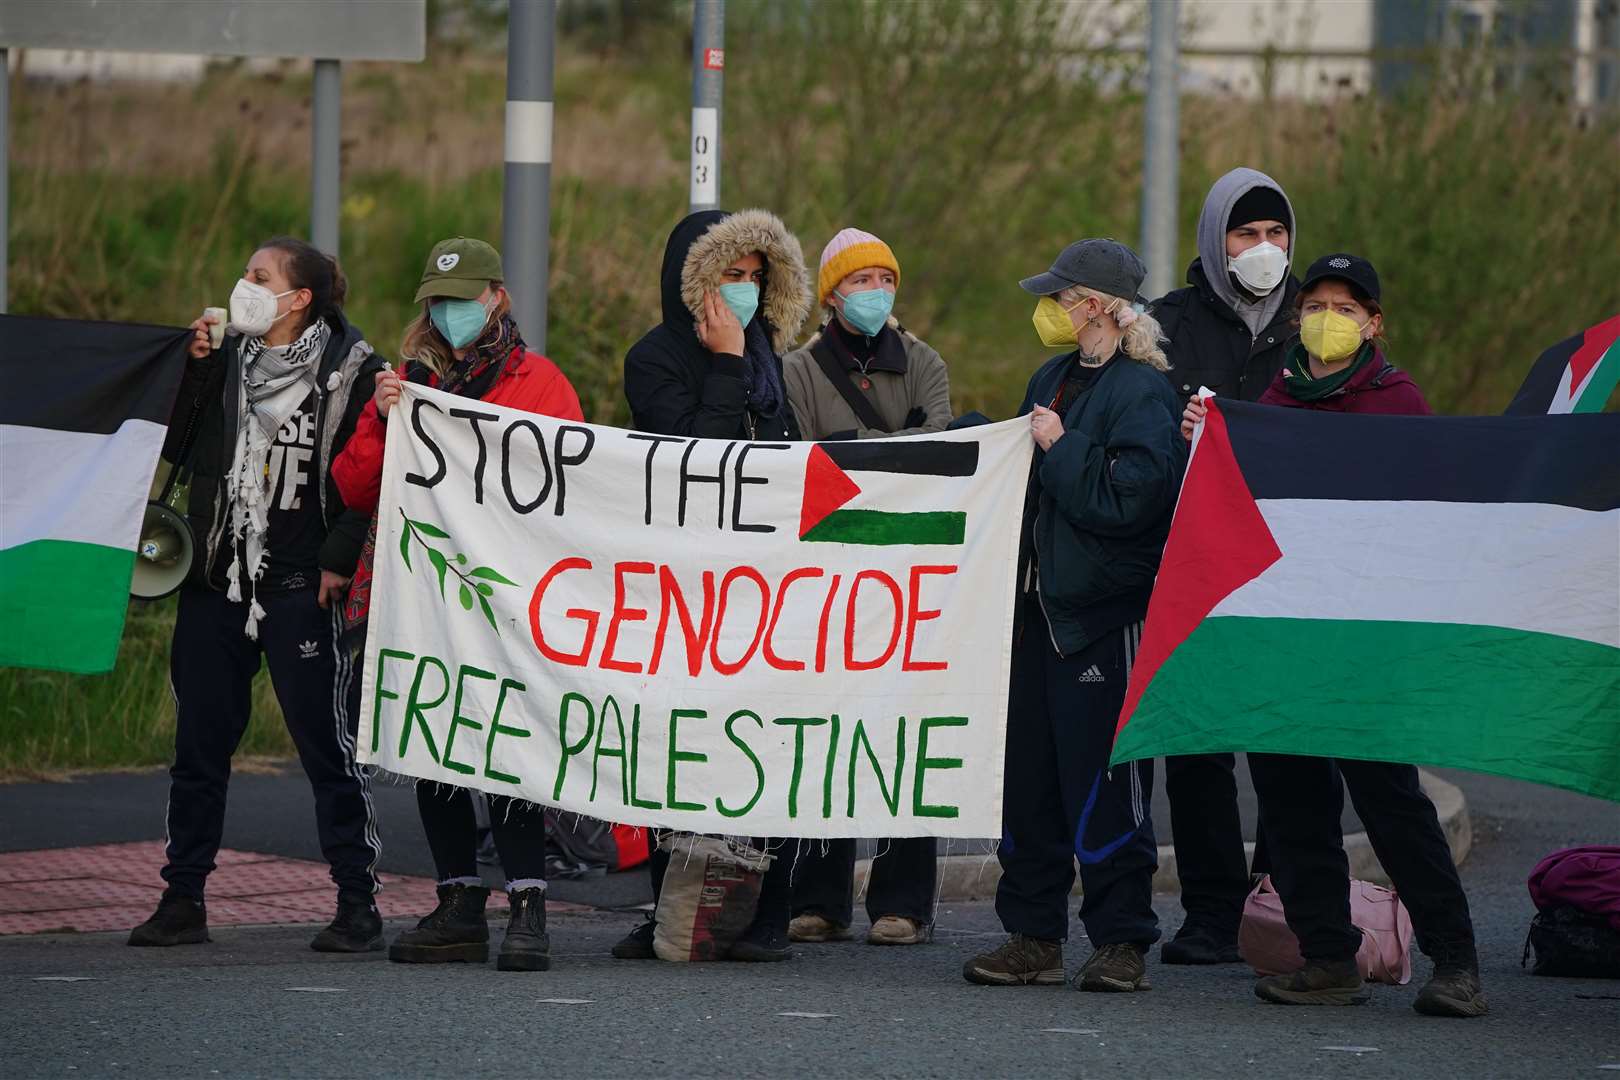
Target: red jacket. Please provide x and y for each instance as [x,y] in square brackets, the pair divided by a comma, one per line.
[1380,387]
[537,386]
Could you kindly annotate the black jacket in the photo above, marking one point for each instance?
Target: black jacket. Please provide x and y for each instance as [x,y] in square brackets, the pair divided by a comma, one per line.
[207,401]
[674,385]
[1211,346]
[1101,498]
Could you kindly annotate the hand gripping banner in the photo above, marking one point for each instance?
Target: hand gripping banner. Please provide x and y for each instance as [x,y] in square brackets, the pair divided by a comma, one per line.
[784,639]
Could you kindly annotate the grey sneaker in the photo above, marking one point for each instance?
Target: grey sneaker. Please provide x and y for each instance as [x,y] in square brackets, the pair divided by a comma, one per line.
[1021,961]
[1117,969]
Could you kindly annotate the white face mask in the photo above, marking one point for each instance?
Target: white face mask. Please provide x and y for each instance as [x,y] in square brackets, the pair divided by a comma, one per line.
[1260,268]
[253,308]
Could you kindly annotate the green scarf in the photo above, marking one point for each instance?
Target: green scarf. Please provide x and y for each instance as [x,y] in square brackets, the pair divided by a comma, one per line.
[1303,386]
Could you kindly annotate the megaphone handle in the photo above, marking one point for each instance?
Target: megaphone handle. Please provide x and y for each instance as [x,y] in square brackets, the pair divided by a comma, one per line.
[182,457]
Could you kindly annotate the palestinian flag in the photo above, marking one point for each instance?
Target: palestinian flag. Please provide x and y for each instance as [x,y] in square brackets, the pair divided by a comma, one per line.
[1418,589]
[82,420]
[1575,376]
[834,475]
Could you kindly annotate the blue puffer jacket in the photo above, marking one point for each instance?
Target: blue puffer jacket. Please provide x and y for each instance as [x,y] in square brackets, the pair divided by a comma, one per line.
[1101,499]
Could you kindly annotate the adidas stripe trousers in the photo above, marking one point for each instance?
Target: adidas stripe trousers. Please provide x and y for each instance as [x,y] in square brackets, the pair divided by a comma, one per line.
[212,665]
[1061,804]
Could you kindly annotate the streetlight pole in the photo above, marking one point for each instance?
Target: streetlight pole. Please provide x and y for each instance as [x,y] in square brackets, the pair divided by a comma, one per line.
[526,198]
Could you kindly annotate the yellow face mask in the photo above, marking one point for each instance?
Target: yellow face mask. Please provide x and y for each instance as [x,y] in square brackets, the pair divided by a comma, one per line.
[1329,336]
[1053,324]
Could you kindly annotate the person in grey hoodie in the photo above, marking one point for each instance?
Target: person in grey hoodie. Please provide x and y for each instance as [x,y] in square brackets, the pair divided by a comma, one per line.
[1229,330]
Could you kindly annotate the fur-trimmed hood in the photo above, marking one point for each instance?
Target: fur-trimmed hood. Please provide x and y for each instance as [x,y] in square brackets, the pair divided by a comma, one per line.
[707,242]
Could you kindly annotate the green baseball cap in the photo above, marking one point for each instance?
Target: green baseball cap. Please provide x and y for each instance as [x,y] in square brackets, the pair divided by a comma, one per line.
[459,268]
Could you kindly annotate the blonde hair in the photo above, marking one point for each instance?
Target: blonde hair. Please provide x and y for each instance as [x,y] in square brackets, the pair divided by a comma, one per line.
[1140,333]
[424,344]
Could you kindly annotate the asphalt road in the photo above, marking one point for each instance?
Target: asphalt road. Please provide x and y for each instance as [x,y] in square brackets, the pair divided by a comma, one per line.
[244,1006]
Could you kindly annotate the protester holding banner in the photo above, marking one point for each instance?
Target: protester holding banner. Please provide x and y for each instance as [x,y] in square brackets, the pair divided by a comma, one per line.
[1338,366]
[1228,329]
[864,376]
[1101,492]
[464,341]
[734,293]
[260,415]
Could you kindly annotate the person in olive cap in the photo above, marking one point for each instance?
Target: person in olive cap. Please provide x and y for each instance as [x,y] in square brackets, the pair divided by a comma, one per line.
[1108,462]
[463,341]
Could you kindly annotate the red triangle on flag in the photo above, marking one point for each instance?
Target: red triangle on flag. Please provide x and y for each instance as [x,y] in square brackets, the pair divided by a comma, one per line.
[1219,542]
[826,488]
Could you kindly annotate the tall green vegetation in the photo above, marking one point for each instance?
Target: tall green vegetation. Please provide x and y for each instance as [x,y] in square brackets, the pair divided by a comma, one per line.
[961,131]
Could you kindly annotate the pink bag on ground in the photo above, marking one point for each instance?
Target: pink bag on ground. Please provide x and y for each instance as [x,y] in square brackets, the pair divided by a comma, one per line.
[1267,945]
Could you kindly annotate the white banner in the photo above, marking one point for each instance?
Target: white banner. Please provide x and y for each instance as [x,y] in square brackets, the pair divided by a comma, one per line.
[767,639]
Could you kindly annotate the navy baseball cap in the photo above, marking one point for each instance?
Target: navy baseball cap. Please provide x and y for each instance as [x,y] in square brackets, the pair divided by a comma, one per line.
[1357,271]
[1107,266]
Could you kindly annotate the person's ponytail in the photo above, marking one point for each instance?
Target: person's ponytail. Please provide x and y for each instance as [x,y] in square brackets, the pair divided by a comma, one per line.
[308,267]
[1140,332]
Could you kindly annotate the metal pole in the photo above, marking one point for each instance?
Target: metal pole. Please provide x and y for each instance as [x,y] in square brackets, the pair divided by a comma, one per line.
[5,169]
[526,200]
[325,155]
[1161,150]
[708,75]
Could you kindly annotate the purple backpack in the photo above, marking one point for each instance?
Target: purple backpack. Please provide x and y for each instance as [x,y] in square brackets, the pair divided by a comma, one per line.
[1577,929]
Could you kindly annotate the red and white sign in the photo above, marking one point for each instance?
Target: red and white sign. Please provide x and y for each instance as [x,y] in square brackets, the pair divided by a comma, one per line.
[714,59]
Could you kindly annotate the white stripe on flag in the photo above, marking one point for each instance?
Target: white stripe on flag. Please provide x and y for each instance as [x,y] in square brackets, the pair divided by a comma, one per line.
[76,485]
[1522,566]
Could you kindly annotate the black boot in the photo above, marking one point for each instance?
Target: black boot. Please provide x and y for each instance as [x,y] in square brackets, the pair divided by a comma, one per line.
[357,927]
[1454,988]
[766,941]
[1199,943]
[527,946]
[180,919]
[455,931]
[638,943]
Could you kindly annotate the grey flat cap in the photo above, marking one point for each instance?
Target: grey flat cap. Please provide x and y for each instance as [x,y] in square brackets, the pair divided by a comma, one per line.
[1105,265]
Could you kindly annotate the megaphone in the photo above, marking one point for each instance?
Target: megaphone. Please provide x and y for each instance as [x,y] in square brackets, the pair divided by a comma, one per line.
[164,553]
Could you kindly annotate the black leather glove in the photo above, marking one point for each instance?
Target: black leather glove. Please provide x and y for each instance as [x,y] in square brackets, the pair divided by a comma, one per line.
[917,417]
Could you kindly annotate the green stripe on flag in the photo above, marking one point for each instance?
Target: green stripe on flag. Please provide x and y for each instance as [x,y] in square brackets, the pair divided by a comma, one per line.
[1602,381]
[884,528]
[1510,702]
[62,605]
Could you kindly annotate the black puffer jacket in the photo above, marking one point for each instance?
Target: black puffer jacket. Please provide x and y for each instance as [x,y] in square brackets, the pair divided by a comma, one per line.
[1210,346]
[343,385]
[674,385]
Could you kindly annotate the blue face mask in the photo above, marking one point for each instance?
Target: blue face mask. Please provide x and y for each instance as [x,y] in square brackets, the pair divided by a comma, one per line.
[867,311]
[460,321]
[742,297]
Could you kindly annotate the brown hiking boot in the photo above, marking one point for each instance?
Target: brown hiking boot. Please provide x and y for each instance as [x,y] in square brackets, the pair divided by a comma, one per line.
[1021,961]
[1336,983]
[1116,969]
[1454,988]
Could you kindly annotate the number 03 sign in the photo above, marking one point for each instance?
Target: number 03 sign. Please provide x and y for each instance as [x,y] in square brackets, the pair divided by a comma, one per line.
[705,162]
[783,639]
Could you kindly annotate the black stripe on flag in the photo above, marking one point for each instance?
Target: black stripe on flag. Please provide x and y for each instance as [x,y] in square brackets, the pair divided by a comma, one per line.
[1302,454]
[1535,396]
[919,458]
[75,375]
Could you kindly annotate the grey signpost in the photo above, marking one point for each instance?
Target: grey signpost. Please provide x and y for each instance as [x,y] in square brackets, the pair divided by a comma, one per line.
[526,201]
[5,169]
[328,32]
[325,155]
[708,75]
[1161,150]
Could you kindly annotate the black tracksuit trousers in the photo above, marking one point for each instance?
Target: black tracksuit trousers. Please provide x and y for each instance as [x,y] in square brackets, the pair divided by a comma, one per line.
[1300,806]
[902,881]
[1060,800]
[212,664]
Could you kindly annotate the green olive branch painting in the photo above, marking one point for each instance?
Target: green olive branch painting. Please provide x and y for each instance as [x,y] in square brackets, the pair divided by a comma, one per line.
[477,584]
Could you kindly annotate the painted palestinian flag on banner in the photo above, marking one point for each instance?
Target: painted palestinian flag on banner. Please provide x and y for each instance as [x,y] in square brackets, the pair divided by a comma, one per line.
[844,484]
[1419,589]
[1575,376]
[82,421]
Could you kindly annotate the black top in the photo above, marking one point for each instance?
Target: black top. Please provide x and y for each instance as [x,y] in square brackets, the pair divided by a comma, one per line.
[1210,345]
[674,385]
